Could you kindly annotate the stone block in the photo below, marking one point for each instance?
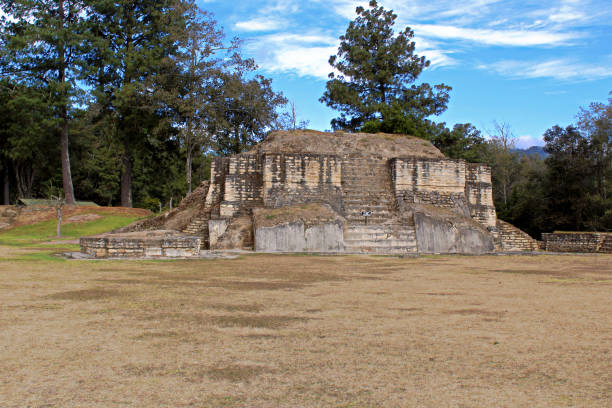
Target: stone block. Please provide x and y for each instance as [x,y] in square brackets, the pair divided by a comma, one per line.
[443,233]
[294,237]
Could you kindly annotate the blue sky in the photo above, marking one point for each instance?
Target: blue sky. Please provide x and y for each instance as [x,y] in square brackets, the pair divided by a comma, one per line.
[530,64]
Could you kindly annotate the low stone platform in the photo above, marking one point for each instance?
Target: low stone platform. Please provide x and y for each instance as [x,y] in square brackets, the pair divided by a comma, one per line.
[142,244]
[588,242]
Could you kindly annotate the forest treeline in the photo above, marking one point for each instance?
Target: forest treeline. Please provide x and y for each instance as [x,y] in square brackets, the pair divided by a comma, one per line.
[125,103]
[120,102]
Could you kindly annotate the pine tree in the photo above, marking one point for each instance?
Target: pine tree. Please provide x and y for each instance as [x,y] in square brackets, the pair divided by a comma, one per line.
[42,44]
[204,54]
[133,72]
[373,90]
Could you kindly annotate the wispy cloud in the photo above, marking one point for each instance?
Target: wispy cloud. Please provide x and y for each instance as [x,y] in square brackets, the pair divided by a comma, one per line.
[304,55]
[284,39]
[562,69]
[259,24]
[517,38]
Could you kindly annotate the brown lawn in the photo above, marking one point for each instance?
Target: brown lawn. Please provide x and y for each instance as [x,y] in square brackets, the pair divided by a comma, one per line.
[306,331]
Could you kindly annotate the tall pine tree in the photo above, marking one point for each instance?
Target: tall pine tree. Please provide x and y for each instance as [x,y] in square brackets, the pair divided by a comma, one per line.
[374,90]
[132,71]
[42,45]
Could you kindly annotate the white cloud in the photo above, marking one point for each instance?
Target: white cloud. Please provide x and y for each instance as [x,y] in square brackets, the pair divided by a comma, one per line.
[525,141]
[562,69]
[281,6]
[441,27]
[303,61]
[259,24]
[432,50]
[522,38]
[302,54]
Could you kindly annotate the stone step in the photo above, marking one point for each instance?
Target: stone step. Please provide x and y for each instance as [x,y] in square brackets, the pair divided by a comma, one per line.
[373,219]
[361,220]
[360,189]
[395,243]
[376,238]
[374,200]
[198,226]
[364,180]
[377,227]
[376,211]
[380,236]
[382,250]
[359,197]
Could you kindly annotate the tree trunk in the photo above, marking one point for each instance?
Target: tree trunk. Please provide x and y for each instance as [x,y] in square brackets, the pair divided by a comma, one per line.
[126,177]
[7,197]
[188,170]
[59,221]
[65,155]
[66,173]
[25,180]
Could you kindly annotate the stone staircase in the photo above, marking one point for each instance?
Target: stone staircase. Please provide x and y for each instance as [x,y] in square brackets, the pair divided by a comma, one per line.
[513,239]
[367,186]
[380,239]
[199,227]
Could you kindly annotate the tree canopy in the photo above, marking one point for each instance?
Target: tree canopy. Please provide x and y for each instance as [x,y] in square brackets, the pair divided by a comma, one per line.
[132,85]
[374,84]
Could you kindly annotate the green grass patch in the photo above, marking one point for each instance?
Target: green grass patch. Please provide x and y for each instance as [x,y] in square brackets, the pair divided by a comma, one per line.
[44,231]
[46,256]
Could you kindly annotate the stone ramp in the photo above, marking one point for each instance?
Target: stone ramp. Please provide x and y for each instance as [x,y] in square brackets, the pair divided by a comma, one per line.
[513,239]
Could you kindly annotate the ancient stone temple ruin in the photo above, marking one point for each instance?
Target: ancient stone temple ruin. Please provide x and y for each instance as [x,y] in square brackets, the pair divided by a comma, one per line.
[340,192]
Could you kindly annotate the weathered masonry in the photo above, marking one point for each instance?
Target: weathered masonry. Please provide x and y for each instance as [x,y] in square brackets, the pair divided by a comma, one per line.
[147,244]
[402,198]
[307,191]
[594,242]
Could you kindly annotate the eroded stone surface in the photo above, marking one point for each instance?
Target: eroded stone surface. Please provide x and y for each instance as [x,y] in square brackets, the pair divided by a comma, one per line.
[142,244]
[597,242]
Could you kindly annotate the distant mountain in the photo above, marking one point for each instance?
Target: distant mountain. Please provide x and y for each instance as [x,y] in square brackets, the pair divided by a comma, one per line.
[539,150]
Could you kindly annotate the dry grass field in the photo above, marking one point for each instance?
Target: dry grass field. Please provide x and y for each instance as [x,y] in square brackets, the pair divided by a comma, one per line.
[306,331]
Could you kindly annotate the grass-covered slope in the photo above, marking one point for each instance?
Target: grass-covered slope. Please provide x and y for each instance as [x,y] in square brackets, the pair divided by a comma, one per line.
[77,223]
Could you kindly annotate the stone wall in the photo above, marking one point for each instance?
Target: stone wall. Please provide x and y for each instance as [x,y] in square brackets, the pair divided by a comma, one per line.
[600,242]
[479,194]
[216,228]
[157,244]
[430,181]
[296,237]
[290,179]
[243,184]
[442,231]
[219,167]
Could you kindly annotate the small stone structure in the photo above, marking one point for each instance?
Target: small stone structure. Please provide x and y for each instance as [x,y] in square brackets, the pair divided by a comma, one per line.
[145,244]
[590,242]
[343,192]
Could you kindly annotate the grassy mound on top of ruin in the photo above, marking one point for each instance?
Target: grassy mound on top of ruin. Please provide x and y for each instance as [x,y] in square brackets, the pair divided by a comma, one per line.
[341,143]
